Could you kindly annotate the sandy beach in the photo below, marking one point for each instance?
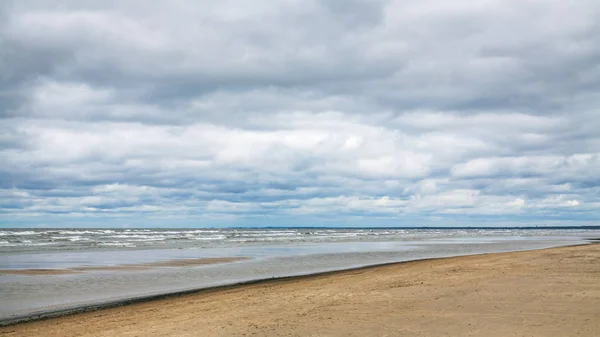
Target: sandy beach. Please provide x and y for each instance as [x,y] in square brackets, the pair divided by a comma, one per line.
[551,292]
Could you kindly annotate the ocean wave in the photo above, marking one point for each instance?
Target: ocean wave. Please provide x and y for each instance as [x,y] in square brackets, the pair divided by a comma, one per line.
[82,232]
[18,233]
[138,236]
[210,238]
[20,240]
[117,244]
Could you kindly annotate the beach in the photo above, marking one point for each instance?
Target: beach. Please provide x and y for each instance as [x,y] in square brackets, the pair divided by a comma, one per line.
[548,292]
[46,271]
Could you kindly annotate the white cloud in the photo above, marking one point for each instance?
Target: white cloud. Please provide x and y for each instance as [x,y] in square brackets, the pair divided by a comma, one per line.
[517,203]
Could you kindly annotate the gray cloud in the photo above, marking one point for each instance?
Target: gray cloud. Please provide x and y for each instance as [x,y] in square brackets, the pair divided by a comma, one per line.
[391,112]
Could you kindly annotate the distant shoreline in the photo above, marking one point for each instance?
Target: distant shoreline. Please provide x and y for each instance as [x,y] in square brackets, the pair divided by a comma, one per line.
[593,227]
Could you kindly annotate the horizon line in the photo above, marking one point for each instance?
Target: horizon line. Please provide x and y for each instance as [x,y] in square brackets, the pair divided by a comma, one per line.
[328,227]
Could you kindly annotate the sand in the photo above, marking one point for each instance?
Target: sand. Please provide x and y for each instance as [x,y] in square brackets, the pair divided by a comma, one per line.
[123,267]
[553,292]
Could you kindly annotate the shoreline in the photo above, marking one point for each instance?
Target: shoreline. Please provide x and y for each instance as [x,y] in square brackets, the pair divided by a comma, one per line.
[80,309]
[43,315]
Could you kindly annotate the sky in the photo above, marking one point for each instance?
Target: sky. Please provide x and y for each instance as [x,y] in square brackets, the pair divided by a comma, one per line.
[299,113]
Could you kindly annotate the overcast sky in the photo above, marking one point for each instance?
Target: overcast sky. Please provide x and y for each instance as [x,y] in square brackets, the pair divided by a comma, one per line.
[299,112]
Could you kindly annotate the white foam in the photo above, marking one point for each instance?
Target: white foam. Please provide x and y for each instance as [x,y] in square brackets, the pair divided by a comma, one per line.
[117,244]
[210,238]
[24,233]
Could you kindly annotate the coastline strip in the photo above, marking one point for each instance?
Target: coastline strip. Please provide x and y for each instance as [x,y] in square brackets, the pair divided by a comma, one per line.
[130,303]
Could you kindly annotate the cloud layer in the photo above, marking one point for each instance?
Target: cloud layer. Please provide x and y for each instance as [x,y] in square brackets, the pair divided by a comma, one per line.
[295,112]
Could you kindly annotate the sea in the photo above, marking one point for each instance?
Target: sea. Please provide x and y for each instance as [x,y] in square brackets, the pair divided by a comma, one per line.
[254,254]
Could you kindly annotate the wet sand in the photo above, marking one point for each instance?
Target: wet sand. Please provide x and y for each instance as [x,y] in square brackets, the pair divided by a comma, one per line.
[551,292]
[128,267]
